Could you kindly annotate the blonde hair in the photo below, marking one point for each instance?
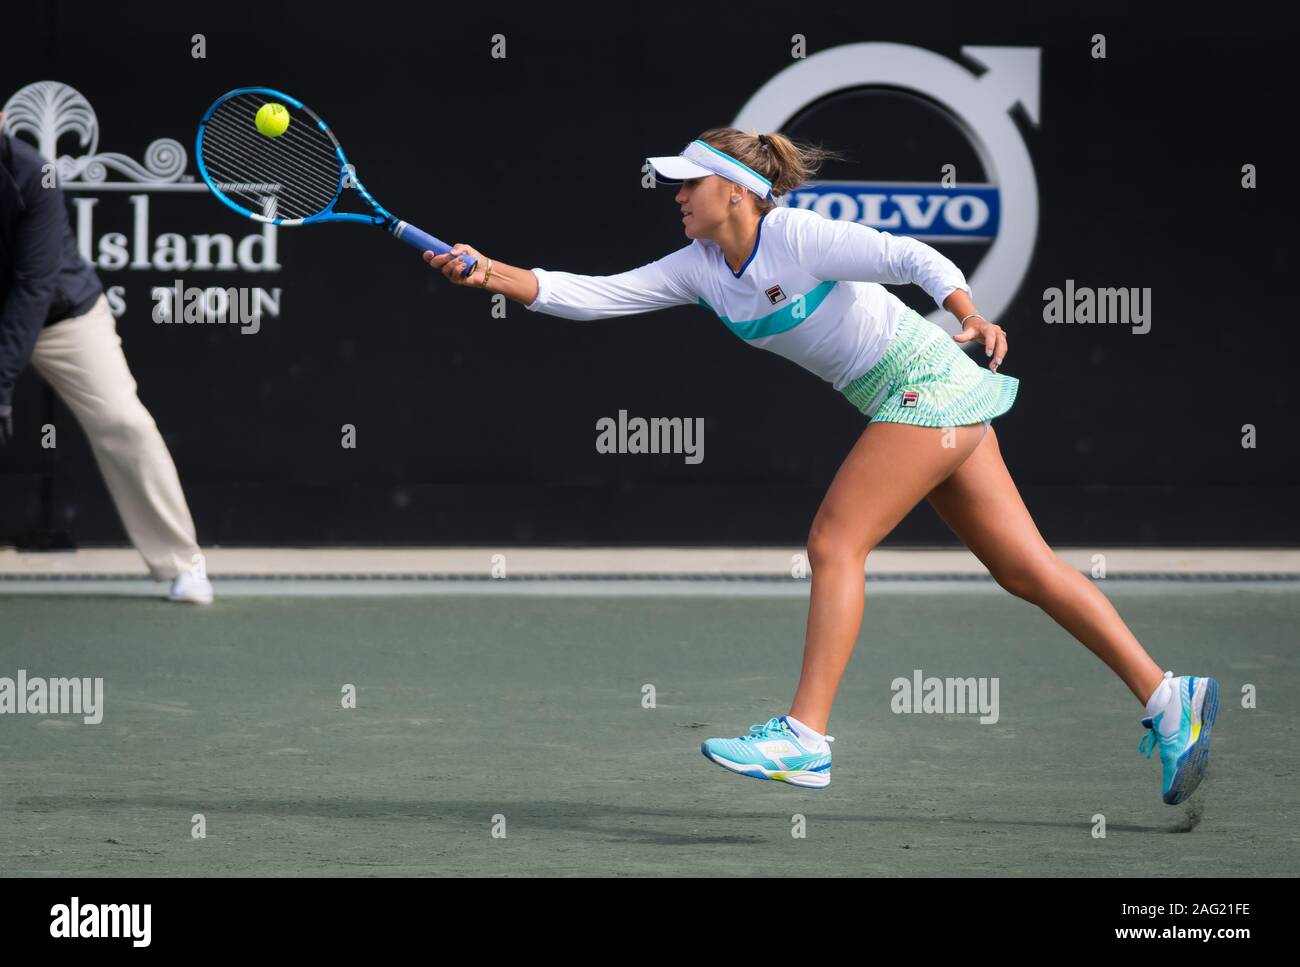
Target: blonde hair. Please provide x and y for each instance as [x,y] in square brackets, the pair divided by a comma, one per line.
[786,164]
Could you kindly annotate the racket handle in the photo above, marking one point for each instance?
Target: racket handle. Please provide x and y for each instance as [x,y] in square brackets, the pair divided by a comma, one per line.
[425,242]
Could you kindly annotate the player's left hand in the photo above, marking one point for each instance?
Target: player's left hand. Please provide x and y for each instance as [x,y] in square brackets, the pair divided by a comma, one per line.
[991,335]
[6,424]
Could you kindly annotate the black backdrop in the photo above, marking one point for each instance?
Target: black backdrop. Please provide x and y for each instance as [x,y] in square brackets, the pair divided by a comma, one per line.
[472,429]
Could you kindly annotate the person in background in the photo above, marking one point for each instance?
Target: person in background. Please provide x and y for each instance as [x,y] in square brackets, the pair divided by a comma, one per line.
[54,314]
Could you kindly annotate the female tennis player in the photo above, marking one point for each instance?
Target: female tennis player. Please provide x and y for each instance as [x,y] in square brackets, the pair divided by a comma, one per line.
[809,288]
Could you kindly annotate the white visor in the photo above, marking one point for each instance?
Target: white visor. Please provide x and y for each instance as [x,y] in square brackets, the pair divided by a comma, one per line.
[698,160]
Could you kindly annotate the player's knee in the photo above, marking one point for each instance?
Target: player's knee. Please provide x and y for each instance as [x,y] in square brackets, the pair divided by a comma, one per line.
[829,544]
[1029,578]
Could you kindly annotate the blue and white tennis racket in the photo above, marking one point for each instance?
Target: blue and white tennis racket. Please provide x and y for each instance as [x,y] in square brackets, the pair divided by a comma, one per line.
[295,178]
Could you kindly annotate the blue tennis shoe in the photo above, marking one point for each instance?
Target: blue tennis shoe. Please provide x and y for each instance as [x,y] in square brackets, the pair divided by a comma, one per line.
[1184,753]
[773,751]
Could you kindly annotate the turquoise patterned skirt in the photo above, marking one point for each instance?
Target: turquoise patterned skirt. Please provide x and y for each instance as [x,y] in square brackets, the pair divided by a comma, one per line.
[926,379]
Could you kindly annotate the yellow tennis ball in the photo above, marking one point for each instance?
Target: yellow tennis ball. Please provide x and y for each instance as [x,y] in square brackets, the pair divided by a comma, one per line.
[272,119]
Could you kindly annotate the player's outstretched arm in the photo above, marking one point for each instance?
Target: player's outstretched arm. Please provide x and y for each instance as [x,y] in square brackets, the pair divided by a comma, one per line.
[513,282]
[665,282]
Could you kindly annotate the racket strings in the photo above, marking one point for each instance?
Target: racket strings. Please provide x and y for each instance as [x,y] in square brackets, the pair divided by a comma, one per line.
[295,175]
[300,166]
[256,147]
[273,185]
[242,168]
[296,184]
[264,186]
[293,154]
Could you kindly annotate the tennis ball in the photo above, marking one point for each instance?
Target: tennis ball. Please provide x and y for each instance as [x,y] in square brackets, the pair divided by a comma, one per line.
[272,119]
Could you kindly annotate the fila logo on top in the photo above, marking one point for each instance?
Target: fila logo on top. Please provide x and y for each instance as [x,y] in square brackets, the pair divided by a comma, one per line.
[1003,214]
[775,295]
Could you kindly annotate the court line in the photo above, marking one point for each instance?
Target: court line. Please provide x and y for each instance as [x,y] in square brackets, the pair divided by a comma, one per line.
[578,586]
[583,563]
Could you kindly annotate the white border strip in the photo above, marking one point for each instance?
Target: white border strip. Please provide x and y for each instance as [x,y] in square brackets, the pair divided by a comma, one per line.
[598,588]
[721,562]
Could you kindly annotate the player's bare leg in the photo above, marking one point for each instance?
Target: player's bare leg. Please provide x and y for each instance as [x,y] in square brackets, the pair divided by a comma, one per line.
[887,473]
[982,506]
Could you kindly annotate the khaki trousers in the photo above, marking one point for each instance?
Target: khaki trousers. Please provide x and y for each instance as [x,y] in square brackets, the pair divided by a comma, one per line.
[81,358]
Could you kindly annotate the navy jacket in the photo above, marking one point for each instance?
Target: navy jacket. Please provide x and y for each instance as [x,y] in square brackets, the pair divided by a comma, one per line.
[43,278]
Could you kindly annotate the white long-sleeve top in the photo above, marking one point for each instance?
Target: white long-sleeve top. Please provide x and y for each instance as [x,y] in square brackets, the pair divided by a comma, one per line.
[810,290]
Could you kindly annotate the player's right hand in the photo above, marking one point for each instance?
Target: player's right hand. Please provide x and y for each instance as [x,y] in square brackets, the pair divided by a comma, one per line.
[6,424]
[451,266]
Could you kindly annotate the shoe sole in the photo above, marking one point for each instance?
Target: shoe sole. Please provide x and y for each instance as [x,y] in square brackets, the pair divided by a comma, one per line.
[1193,762]
[802,777]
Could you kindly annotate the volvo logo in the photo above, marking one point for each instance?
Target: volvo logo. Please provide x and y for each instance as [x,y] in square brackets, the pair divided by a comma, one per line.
[1004,213]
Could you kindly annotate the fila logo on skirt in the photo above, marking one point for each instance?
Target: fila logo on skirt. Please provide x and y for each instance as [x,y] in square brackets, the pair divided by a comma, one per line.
[910,397]
[775,295]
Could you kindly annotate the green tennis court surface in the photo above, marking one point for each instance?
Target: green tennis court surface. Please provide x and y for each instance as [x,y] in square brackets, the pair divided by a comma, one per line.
[471,707]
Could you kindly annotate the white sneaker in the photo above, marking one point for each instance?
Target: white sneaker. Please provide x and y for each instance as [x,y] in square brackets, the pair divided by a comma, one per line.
[192,586]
